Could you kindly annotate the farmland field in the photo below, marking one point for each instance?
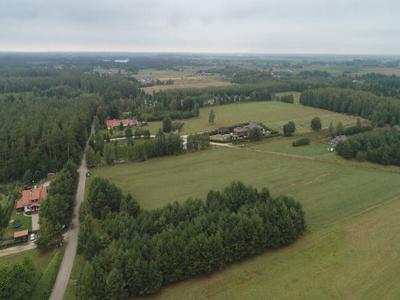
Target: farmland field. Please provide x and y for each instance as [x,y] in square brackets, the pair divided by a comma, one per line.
[329,260]
[185,78]
[351,209]
[273,114]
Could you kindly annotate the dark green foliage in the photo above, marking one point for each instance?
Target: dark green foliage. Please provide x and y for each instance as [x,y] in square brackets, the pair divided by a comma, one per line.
[301,142]
[197,142]
[56,210]
[289,128]
[380,146]
[211,117]
[38,135]
[316,124]
[167,125]
[103,197]
[380,110]
[16,281]
[133,252]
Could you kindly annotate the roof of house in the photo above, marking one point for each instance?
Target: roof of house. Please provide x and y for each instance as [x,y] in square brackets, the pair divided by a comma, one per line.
[31,196]
[239,129]
[21,233]
[125,122]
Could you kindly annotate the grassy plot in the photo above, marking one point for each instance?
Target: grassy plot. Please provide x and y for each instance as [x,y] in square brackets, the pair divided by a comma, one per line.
[272,114]
[184,78]
[351,209]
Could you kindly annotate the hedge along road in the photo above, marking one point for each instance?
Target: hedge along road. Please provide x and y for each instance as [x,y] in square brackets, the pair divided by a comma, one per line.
[71,236]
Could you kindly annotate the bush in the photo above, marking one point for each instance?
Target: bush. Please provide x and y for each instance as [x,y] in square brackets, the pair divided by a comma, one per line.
[301,142]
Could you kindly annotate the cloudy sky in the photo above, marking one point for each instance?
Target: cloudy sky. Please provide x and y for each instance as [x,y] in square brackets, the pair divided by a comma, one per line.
[262,26]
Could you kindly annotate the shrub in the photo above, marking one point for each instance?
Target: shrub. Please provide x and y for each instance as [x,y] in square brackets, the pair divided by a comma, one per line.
[301,142]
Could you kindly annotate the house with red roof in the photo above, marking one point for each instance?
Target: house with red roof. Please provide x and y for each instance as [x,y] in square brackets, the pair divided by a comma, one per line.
[31,199]
[111,124]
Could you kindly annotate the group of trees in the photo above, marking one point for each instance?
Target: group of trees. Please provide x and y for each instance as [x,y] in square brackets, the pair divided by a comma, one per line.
[17,280]
[286,98]
[56,210]
[198,141]
[379,110]
[380,146]
[301,142]
[132,252]
[39,135]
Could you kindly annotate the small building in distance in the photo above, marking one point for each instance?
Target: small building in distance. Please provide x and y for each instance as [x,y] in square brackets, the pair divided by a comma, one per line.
[337,139]
[240,132]
[111,124]
[31,199]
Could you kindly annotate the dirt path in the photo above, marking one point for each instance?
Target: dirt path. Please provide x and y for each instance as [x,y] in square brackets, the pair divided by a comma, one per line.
[71,237]
[17,249]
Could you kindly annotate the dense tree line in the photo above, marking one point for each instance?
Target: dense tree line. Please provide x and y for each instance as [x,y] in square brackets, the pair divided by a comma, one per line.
[130,252]
[135,150]
[56,210]
[39,134]
[380,146]
[380,110]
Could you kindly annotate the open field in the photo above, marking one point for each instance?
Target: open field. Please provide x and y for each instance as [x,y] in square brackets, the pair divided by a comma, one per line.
[381,70]
[273,114]
[351,209]
[185,78]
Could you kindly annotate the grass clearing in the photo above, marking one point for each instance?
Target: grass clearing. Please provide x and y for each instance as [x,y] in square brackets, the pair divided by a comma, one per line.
[273,114]
[351,208]
[185,78]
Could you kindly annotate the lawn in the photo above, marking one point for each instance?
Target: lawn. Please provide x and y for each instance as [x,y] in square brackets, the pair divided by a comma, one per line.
[26,222]
[273,114]
[40,260]
[350,249]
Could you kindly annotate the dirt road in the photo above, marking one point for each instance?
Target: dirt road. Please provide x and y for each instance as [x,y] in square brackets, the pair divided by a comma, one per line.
[17,249]
[72,239]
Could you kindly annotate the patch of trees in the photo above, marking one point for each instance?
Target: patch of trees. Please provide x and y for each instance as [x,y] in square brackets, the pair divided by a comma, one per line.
[316,124]
[132,252]
[137,150]
[56,210]
[39,135]
[301,142]
[197,142]
[380,110]
[16,281]
[380,146]
[289,128]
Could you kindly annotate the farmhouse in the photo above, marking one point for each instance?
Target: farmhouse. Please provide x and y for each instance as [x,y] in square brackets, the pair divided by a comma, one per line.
[239,132]
[337,139]
[223,130]
[111,124]
[31,199]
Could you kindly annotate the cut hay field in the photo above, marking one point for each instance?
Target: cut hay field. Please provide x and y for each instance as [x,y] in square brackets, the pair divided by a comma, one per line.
[273,114]
[186,78]
[350,250]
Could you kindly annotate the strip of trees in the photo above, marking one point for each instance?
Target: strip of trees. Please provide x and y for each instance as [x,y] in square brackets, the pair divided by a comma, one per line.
[56,210]
[379,110]
[130,252]
[380,146]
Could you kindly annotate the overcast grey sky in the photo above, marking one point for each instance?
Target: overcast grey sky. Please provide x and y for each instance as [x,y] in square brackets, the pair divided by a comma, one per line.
[266,26]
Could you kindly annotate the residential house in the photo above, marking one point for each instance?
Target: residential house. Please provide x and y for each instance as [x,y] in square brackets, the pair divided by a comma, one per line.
[111,124]
[31,199]
[239,132]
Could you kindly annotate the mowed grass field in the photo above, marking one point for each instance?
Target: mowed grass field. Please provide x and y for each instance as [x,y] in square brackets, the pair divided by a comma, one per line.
[350,250]
[185,78]
[272,114]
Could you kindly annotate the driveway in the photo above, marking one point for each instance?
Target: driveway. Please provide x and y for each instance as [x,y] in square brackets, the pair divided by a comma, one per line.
[17,249]
[35,222]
